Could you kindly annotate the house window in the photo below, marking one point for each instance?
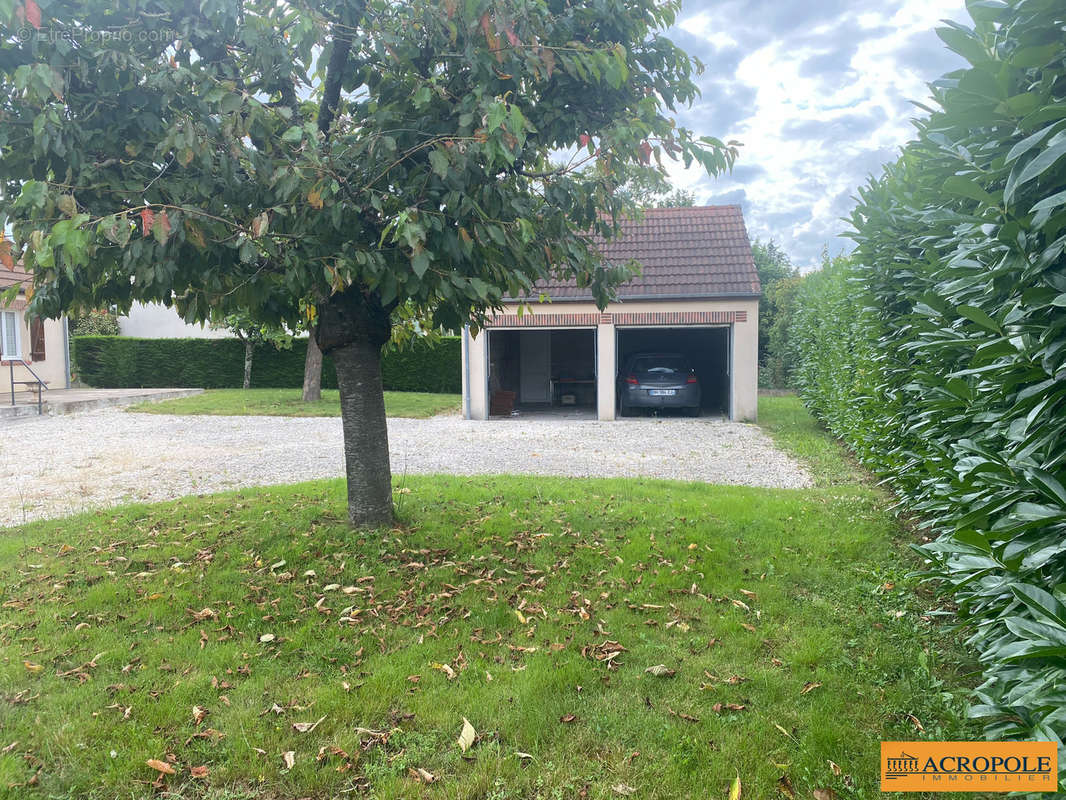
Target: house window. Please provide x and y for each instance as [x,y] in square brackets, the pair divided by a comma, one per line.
[9,335]
[37,339]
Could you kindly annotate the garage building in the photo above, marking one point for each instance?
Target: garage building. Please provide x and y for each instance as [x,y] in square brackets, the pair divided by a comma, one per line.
[697,295]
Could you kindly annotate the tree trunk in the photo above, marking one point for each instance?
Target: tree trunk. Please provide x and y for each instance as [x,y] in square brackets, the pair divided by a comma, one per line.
[366,436]
[352,328]
[312,371]
[248,347]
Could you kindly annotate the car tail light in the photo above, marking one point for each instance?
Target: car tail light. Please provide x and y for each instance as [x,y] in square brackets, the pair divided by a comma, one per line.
[692,379]
[632,380]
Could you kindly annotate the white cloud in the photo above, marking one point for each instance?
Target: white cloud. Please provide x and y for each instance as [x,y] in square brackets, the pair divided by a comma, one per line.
[829,105]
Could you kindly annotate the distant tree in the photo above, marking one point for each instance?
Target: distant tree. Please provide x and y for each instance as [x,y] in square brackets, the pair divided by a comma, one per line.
[312,389]
[774,267]
[775,370]
[252,333]
[650,189]
[97,322]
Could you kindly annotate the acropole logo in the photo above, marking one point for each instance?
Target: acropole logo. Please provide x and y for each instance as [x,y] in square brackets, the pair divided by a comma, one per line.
[969,766]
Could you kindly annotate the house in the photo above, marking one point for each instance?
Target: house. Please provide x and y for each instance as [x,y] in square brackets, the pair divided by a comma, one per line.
[37,346]
[697,294]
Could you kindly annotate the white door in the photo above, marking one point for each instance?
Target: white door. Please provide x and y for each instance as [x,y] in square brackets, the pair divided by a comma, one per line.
[534,350]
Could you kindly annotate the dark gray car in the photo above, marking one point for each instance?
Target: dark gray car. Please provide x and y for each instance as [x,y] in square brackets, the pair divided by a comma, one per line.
[658,380]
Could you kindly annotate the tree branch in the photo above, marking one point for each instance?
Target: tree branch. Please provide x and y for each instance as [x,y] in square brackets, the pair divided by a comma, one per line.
[338,61]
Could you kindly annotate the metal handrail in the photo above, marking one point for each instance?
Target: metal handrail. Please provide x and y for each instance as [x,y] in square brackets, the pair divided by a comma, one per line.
[40,392]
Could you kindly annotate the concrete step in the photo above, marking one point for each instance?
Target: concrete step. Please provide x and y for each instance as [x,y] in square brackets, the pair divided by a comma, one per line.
[73,401]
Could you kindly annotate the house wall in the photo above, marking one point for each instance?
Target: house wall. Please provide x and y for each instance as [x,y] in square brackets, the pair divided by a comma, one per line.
[52,370]
[744,347]
[156,321]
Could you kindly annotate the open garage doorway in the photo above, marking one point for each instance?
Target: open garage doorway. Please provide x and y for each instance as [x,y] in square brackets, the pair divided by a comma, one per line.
[538,371]
[706,348]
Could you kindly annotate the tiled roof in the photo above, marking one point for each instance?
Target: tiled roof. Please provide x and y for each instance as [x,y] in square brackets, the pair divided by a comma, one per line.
[9,277]
[695,251]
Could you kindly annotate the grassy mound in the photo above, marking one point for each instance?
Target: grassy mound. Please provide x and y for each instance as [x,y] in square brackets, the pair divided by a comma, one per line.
[216,635]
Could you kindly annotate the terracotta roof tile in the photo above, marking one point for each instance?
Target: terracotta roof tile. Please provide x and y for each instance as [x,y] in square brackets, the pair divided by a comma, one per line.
[696,251]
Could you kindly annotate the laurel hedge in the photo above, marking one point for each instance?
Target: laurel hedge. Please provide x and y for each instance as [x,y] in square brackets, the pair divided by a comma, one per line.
[121,362]
[938,350]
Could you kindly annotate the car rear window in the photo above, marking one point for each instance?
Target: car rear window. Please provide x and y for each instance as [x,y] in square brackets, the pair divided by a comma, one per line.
[667,365]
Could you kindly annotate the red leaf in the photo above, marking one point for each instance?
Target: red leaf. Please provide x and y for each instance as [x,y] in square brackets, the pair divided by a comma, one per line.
[5,255]
[511,36]
[147,218]
[584,139]
[33,13]
[645,152]
[164,223]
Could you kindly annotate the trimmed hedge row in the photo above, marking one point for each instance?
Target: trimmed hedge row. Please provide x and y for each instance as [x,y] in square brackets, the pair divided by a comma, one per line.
[938,351]
[115,362]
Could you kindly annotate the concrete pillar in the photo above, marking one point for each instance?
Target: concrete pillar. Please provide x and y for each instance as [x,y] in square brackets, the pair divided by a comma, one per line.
[745,358]
[475,376]
[606,369]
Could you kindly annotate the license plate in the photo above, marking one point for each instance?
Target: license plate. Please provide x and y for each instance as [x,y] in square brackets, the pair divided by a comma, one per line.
[662,392]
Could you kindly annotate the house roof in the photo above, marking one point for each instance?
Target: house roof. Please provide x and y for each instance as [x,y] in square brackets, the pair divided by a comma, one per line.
[687,252]
[9,277]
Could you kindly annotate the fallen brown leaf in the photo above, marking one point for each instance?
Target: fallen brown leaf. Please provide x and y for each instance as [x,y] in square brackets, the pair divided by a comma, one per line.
[160,766]
[421,775]
[661,671]
[825,794]
[683,715]
[784,785]
[810,686]
[289,758]
[307,727]
[199,772]
[467,736]
[720,707]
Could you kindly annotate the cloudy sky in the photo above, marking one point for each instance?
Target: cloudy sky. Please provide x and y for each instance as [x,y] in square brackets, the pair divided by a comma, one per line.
[818,93]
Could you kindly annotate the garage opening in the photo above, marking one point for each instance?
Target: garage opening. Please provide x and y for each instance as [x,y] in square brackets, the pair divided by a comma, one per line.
[706,348]
[542,371]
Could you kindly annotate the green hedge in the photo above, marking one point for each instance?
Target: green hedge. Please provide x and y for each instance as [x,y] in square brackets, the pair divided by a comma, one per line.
[120,362]
[938,352]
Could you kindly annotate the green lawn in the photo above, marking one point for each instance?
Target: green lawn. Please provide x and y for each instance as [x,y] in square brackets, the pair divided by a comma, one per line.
[794,430]
[211,633]
[288,403]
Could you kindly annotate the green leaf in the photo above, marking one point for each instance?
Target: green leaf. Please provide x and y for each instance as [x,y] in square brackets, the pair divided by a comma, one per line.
[420,263]
[975,314]
[1036,56]
[1041,164]
[963,42]
[967,187]
[230,103]
[497,114]
[438,160]
[1048,203]
[293,134]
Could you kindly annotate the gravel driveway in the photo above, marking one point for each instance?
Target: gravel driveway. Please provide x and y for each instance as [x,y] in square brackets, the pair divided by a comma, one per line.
[55,466]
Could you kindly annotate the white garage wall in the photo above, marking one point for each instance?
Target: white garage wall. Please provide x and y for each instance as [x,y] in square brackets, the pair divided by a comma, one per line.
[156,321]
